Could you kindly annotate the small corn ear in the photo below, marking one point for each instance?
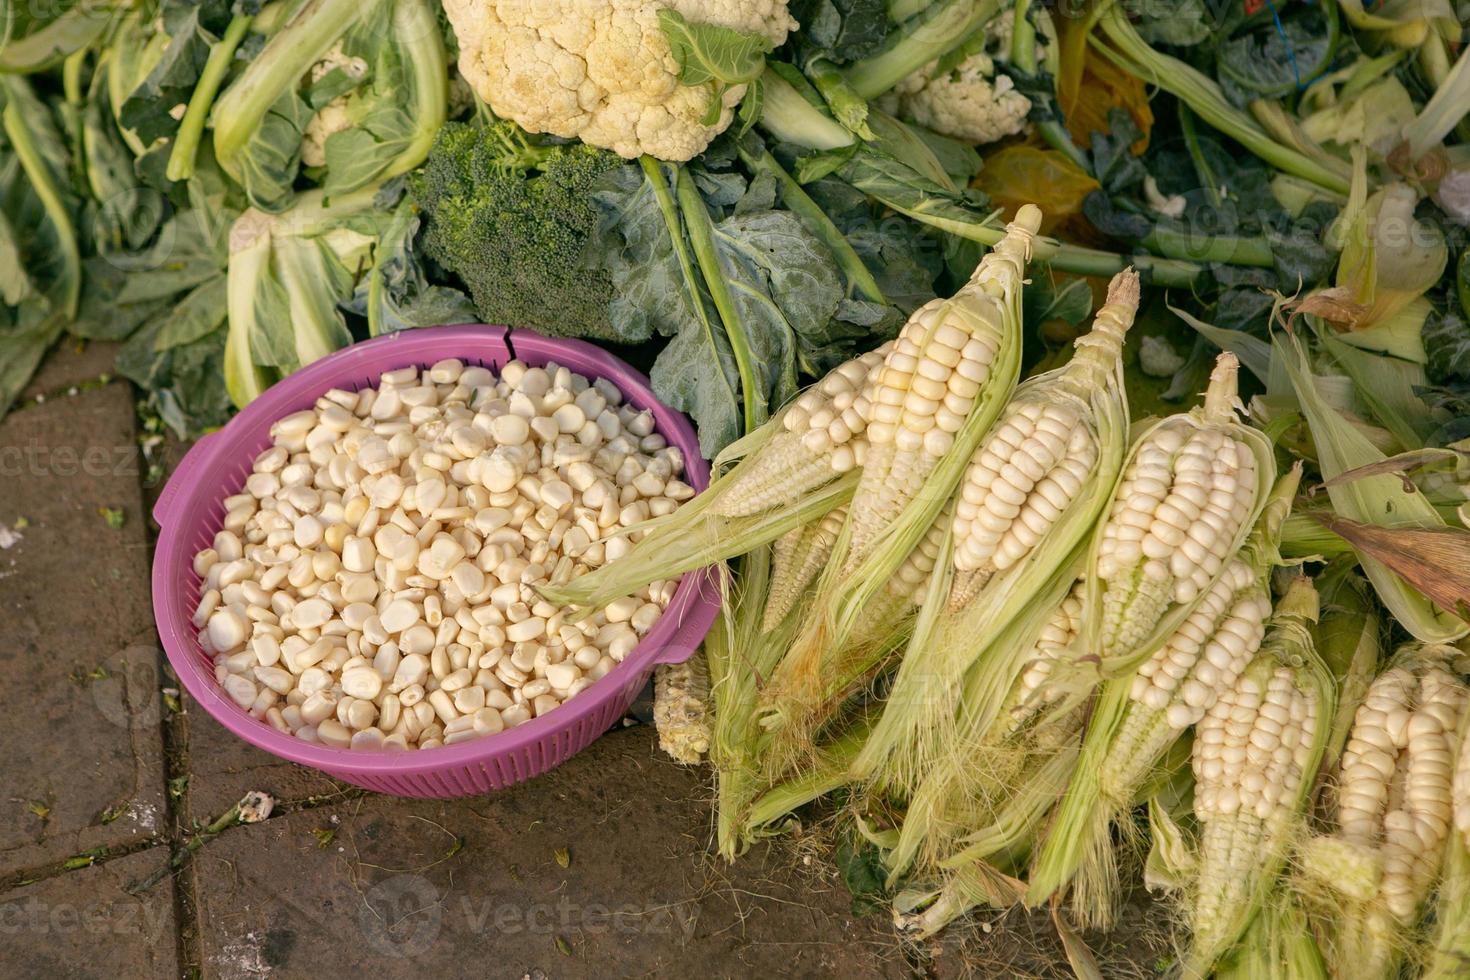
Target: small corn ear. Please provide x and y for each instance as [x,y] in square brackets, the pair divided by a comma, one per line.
[681,708]
[1191,489]
[819,436]
[1256,755]
[798,557]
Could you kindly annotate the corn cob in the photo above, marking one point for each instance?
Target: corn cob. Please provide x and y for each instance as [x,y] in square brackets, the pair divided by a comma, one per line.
[1393,812]
[1041,685]
[819,436]
[1139,717]
[809,685]
[1033,490]
[797,558]
[1191,489]
[988,767]
[783,481]
[1256,753]
[932,380]
[985,310]
[681,708]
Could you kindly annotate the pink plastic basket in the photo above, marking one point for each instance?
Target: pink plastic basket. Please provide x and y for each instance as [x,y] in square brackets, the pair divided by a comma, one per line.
[190,510]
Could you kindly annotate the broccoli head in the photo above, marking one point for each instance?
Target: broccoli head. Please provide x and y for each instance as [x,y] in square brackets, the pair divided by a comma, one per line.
[512,217]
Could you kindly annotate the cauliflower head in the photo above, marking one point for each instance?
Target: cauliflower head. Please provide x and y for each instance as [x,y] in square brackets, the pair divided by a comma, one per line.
[602,70]
[971,101]
[337,114]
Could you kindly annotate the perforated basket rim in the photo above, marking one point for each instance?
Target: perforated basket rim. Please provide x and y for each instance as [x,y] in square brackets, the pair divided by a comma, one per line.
[190,510]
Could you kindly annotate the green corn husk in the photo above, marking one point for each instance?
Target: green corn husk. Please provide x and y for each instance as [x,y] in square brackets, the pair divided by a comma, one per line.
[739,657]
[1450,936]
[1078,849]
[822,668]
[988,766]
[771,813]
[1278,945]
[922,719]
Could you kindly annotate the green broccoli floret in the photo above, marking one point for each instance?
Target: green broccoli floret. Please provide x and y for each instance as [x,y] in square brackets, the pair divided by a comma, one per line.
[511,217]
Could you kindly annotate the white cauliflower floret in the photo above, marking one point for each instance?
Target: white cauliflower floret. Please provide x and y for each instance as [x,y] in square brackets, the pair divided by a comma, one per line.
[601,70]
[971,102]
[335,116]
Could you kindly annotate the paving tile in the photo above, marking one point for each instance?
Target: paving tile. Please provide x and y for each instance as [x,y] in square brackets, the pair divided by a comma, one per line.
[71,362]
[85,924]
[81,736]
[477,887]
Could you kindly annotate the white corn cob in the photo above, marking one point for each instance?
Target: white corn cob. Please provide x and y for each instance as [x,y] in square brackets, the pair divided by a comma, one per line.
[681,708]
[1037,687]
[930,382]
[797,558]
[1174,688]
[1037,459]
[821,435]
[1188,491]
[1397,771]
[1255,753]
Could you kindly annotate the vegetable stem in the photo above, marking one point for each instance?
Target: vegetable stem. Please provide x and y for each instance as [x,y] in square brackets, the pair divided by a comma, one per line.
[759,159]
[1444,110]
[1133,54]
[1023,56]
[701,237]
[937,31]
[191,127]
[43,185]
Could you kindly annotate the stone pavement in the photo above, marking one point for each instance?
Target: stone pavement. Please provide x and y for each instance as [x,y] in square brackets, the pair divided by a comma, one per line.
[600,868]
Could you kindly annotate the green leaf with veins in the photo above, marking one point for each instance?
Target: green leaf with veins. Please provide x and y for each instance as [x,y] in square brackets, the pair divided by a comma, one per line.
[709,53]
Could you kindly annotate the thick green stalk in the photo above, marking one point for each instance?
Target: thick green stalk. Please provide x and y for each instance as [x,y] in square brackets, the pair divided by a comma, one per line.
[1226,249]
[1023,56]
[191,127]
[305,40]
[1444,111]
[702,238]
[1060,255]
[654,174]
[936,32]
[416,29]
[1201,93]
[759,159]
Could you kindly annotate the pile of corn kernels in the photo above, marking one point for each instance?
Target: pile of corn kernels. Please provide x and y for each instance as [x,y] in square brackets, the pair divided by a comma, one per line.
[374,585]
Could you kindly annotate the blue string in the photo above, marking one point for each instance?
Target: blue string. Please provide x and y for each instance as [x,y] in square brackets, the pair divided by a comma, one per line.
[1290,53]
